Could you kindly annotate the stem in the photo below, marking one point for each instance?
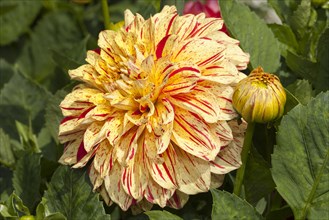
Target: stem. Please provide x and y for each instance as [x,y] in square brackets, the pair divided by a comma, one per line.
[106,14]
[244,157]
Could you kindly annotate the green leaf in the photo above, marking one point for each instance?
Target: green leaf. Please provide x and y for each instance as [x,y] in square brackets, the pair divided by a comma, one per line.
[55,30]
[16,17]
[53,114]
[26,179]
[6,187]
[230,206]
[13,207]
[7,72]
[302,90]
[43,213]
[300,18]
[161,215]
[27,138]
[284,8]
[71,58]
[322,76]
[286,37]
[70,193]
[301,159]
[302,66]
[6,153]
[258,181]
[21,92]
[259,42]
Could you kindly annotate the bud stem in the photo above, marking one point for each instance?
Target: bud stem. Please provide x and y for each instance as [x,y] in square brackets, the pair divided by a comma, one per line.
[106,14]
[244,157]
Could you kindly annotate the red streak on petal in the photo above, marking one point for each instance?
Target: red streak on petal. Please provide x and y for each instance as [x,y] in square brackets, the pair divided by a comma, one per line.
[170,23]
[183,69]
[71,109]
[217,165]
[83,114]
[168,173]
[176,199]
[81,151]
[161,46]
[214,67]
[226,99]
[67,119]
[159,172]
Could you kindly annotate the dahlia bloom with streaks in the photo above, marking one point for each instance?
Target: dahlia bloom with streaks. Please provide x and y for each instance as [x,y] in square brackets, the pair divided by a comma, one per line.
[153,114]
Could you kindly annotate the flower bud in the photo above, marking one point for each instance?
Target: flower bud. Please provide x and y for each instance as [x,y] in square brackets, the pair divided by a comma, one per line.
[260,97]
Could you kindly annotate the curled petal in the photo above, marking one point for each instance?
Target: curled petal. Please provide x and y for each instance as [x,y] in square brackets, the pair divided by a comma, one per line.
[178,200]
[71,150]
[154,193]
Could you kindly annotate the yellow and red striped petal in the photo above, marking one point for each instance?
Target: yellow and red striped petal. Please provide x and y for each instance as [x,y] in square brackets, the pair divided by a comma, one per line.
[94,177]
[193,135]
[178,200]
[71,150]
[200,101]
[192,173]
[156,194]
[103,161]
[134,179]
[114,188]
[182,80]
[163,170]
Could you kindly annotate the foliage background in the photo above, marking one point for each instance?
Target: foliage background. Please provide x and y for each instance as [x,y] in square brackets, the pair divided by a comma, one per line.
[288,167]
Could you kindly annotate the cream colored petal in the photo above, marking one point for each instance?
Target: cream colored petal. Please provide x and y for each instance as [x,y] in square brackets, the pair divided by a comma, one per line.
[223,131]
[86,73]
[223,72]
[183,26]
[200,51]
[134,176]
[85,159]
[192,173]
[76,102]
[178,200]
[236,56]
[206,26]
[201,101]
[103,161]
[223,95]
[129,17]
[70,137]
[95,177]
[164,171]
[154,193]
[71,150]
[70,125]
[182,80]
[91,137]
[126,147]
[105,195]
[200,185]
[119,101]
[194,136]
[216,180]
[114,188]
[229,158]
[92,57]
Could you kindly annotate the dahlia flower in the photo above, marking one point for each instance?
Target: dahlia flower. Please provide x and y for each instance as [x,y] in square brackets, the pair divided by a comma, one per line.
[153,115]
